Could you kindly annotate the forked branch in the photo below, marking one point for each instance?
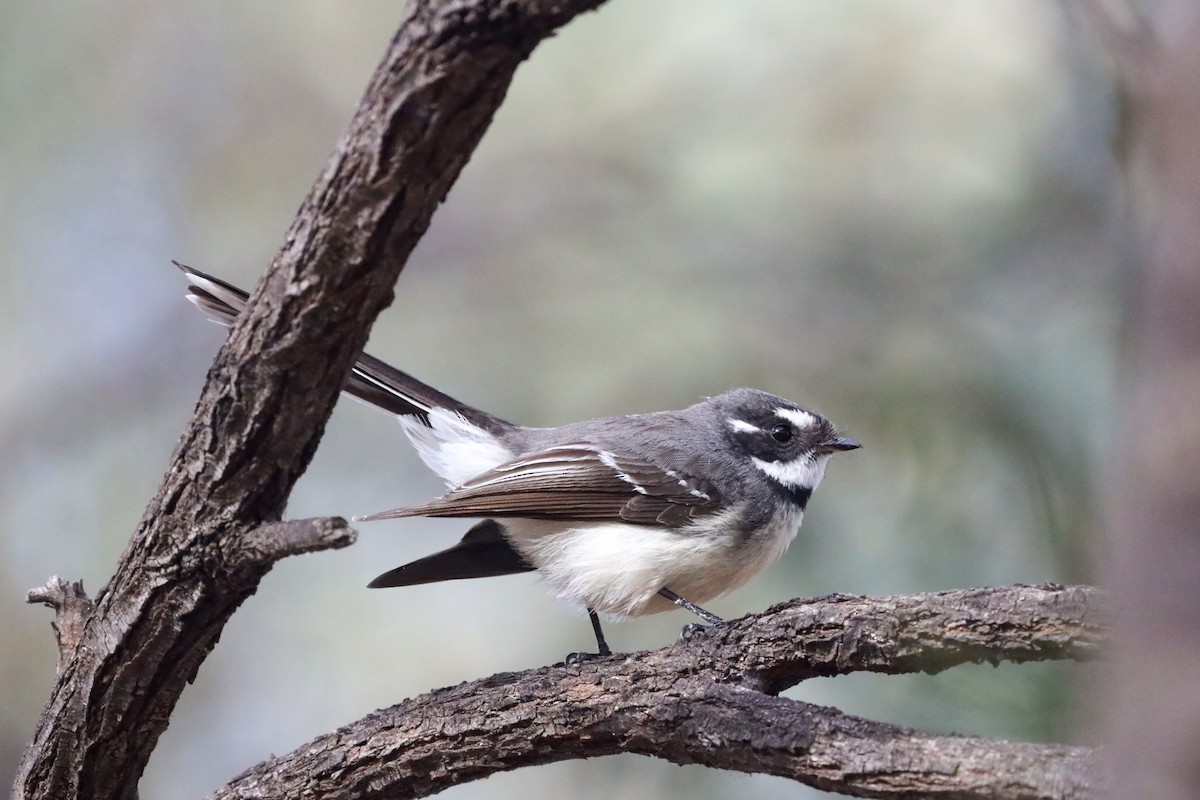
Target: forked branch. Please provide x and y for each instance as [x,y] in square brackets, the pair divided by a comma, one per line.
[196,555]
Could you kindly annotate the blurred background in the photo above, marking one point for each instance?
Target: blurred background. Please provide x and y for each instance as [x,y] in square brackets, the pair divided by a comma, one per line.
[901,214]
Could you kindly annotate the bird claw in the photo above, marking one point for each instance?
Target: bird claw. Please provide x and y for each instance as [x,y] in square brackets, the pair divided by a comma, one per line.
[692,630]
[574,659]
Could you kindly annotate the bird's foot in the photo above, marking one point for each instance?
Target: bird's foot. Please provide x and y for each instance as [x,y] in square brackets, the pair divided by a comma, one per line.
[574,659]
[694,629]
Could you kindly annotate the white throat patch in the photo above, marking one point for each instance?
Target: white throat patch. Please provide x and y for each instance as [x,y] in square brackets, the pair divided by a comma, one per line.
[802,472]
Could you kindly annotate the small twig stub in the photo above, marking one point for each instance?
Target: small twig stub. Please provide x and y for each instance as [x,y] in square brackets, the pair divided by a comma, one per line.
[72,608]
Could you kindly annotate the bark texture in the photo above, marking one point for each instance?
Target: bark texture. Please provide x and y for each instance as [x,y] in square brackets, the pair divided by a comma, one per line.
[72,607]
[708,701]
[200,549]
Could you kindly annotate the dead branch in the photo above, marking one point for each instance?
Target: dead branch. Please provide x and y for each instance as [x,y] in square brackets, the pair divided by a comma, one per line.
[699,702]
[72,607]
[190,563]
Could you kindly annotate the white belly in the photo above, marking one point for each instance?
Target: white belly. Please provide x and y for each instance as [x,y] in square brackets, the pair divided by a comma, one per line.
[617,569]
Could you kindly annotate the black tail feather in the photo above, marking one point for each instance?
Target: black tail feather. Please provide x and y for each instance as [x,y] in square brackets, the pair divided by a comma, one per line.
[370,379]
[482,553]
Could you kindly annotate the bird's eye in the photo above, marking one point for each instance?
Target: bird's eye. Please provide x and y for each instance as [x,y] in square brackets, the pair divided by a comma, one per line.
[782,433]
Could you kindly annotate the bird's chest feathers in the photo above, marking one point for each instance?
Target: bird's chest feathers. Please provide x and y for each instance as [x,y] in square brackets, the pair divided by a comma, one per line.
[618,568]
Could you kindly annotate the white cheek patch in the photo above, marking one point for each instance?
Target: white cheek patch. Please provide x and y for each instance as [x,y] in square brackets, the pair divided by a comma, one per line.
[802,472]
[454,448]
[741,426]
[801,419]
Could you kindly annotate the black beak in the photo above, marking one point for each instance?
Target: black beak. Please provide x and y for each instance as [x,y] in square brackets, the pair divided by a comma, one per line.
[843,443]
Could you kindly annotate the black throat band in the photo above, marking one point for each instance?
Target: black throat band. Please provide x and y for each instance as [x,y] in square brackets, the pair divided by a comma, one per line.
[796,495]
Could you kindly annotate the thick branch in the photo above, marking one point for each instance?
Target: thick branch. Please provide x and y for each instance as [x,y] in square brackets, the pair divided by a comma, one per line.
[696,702]
[271,388]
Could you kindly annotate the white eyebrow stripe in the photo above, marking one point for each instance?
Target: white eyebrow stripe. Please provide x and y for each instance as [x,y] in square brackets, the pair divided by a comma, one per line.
[799,418]
[741,426]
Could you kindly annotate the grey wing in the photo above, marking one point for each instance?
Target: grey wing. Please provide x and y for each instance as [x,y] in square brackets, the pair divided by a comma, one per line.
[575,482]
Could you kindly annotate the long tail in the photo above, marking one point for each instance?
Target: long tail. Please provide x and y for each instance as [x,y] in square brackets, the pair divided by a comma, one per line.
[370,379]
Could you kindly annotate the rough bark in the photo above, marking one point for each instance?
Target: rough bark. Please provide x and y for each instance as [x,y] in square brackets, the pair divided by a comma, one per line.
[192,562]
[706,701]
[72,607]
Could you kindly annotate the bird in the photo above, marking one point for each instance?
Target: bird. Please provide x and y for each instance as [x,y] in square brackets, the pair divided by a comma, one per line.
[620,516]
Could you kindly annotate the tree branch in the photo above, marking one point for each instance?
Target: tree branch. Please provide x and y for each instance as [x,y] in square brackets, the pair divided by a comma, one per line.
[72,607]
[193,559]
[841,634]
[697,702]
[275,540]
[676,702]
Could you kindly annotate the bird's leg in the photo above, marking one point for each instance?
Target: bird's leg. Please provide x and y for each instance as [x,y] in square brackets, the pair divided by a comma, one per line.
[683,602]
[601,645]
